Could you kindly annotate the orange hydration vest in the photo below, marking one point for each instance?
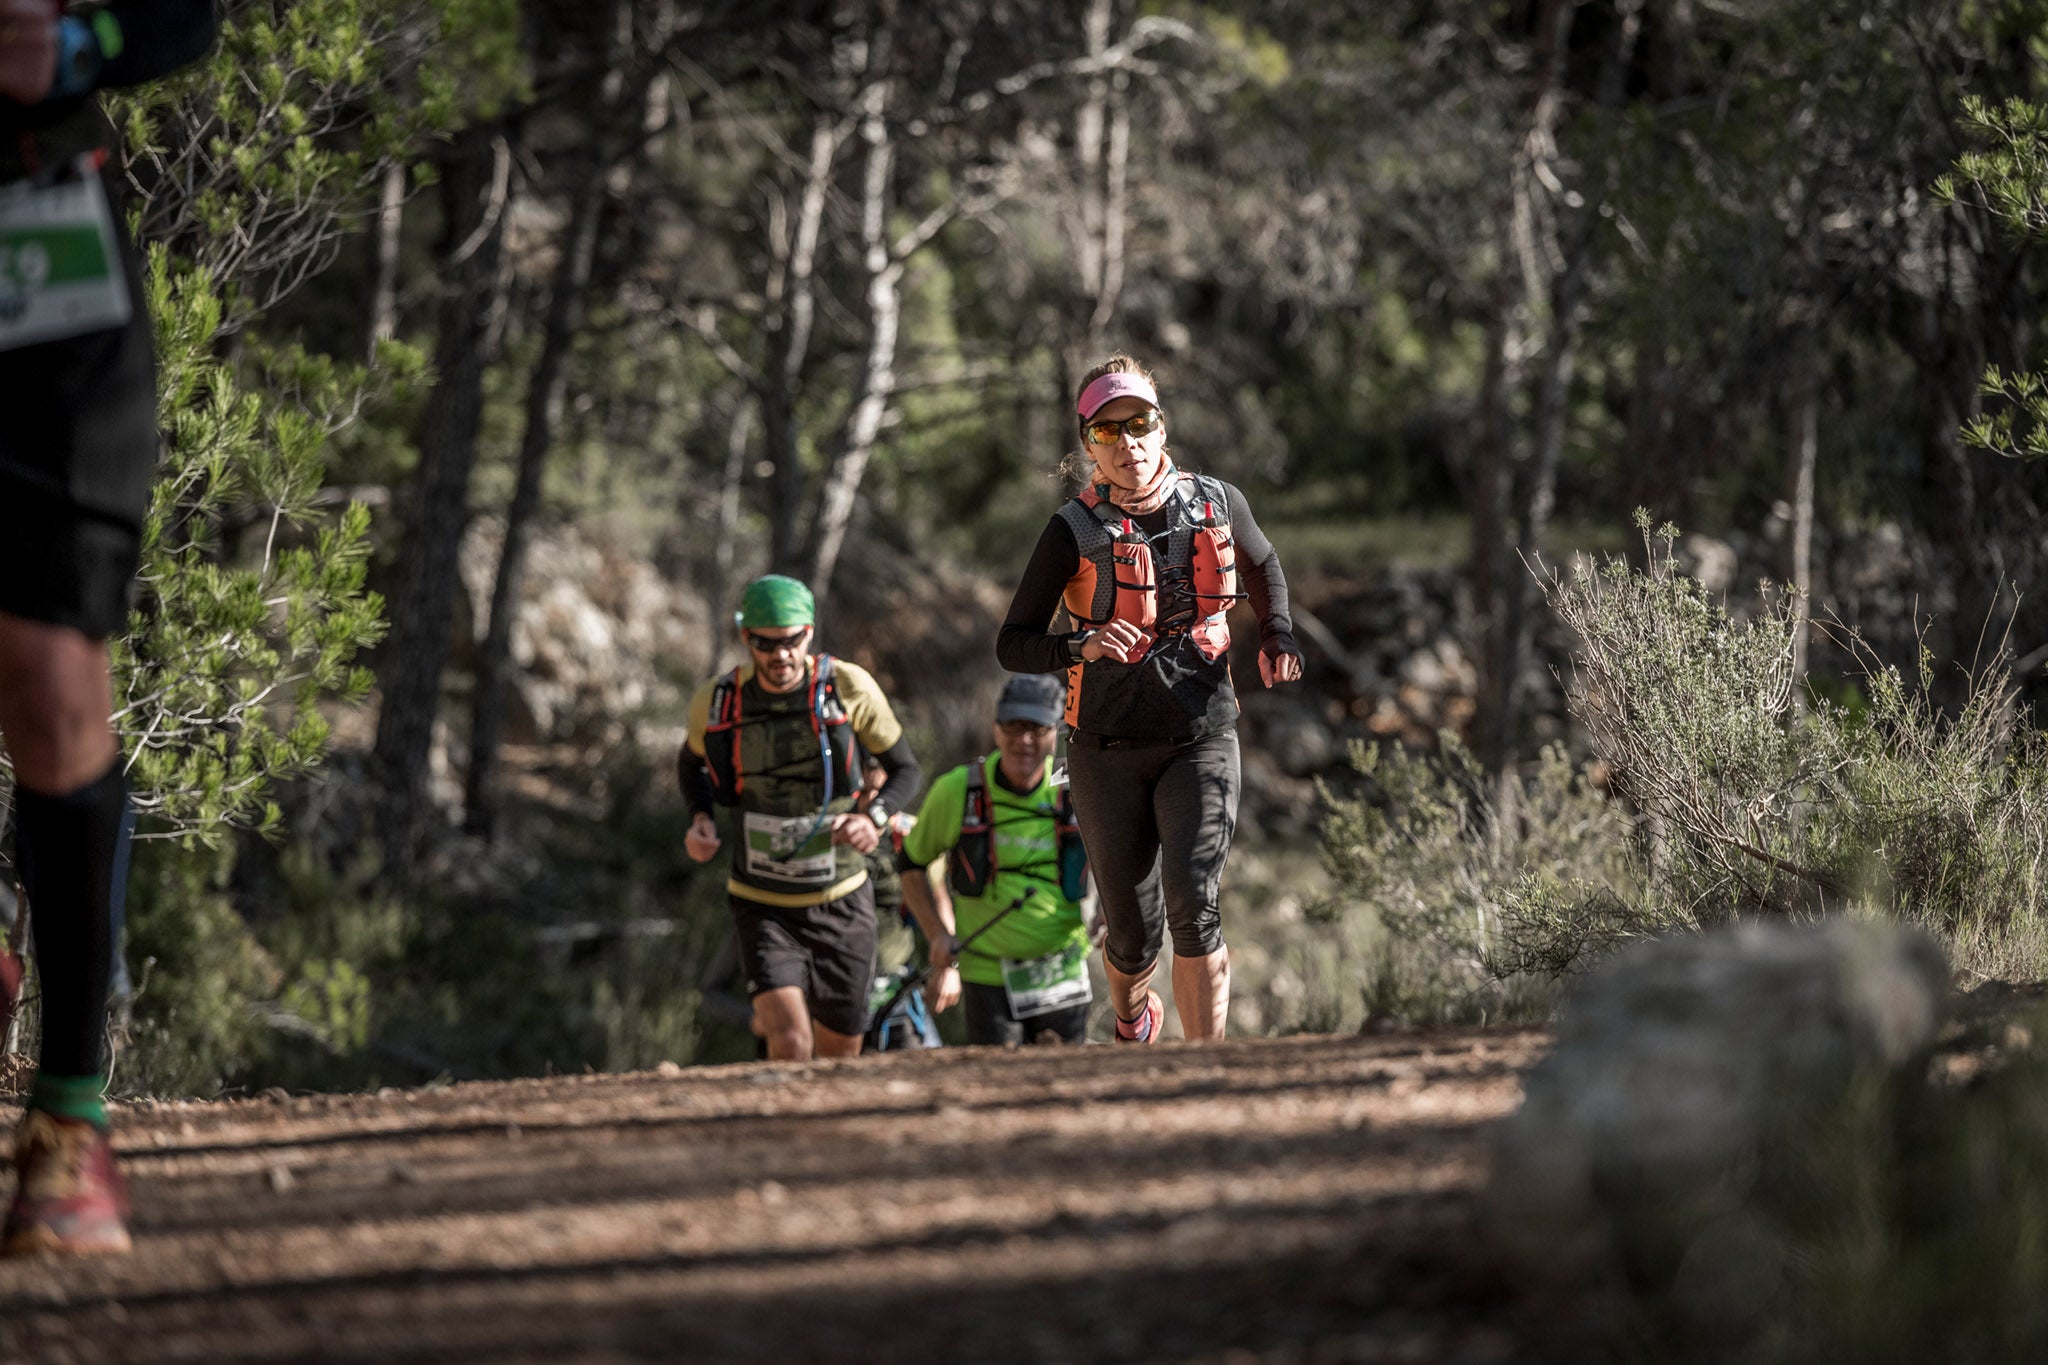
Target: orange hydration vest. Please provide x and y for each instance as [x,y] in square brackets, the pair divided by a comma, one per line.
[1122,570]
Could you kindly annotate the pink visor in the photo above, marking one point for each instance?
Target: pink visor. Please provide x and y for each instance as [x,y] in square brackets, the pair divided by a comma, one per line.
[1112,386]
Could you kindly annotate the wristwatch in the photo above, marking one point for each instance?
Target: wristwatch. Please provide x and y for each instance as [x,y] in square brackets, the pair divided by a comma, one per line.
[1077,642]
[878,813]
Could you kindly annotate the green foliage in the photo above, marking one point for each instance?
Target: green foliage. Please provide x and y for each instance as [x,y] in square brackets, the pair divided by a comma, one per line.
[252,166]
[2006,175]
[1729,800]
[1438,875]
[230,652]
[198,971]
[258,162]
[1755,804]
[1930,1235]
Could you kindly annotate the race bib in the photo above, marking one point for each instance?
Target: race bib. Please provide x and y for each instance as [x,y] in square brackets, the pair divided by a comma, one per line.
[1056,981]
[60,267]
[794,848]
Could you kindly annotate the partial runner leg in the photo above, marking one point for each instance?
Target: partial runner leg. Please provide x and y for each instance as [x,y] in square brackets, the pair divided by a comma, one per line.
[70,815]
[1196,808]
[826,1043]
[1113,802]
[784,1020]
[1201,993]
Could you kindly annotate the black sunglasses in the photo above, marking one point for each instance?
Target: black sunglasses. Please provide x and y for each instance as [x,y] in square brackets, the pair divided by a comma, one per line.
[770,644]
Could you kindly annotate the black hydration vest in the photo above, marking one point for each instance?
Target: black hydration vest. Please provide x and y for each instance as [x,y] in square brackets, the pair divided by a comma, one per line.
[831,728]
[972,866]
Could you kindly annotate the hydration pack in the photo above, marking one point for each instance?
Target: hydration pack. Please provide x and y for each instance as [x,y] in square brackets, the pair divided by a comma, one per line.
[829,722]
[972,865]
[1212,564]
[1137,583]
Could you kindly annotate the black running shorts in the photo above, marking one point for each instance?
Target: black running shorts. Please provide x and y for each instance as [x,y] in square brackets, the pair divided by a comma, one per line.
[827,951]
[991,1024]
[78,447]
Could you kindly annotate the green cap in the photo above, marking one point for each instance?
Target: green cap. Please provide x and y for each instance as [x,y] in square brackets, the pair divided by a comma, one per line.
[776,600]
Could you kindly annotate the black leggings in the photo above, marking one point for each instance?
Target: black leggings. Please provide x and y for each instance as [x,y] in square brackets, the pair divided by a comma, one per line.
[1157,822]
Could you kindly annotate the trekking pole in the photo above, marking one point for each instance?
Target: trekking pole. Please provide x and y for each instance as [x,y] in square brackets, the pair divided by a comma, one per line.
[922,974]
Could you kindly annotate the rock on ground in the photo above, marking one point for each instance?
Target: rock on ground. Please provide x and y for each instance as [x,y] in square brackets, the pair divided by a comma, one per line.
[1651,1143]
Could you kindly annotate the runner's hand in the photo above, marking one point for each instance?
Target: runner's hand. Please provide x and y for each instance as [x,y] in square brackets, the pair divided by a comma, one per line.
[28,49]
[857,831]
[701,843]
[1280,667]
[944,952]
[943,990]
[1119,640]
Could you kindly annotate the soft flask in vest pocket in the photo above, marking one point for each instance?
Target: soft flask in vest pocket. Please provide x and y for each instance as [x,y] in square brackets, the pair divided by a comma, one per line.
[1212,565]
[1137,587]
[971,866]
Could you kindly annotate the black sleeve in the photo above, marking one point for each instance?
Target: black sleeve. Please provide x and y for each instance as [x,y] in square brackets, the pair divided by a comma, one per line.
[1258,565]
[157,37]
[693,775]
[1024,645]
[901,776]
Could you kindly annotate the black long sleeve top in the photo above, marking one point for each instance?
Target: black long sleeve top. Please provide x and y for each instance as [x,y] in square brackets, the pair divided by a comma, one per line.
[157,37]
[1173,692]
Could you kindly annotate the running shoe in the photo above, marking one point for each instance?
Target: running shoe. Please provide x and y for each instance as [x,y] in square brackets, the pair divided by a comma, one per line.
[1154,1015]
[71,1199]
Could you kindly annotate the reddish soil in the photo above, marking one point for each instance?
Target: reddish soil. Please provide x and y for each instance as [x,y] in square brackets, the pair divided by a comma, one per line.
[1300,1199]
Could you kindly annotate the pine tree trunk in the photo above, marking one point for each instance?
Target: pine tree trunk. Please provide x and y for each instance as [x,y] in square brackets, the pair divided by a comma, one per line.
[382,324]
[878,372]
[1518,589]
[546,392]
[1802,411]
[795,291]
[475,184]
[737,436]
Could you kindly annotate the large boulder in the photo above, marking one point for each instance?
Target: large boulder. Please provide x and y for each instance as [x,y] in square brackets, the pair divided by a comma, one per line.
[1669,1135]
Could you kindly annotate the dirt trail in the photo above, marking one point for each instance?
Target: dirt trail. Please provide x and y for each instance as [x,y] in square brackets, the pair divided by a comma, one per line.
[1292,1199]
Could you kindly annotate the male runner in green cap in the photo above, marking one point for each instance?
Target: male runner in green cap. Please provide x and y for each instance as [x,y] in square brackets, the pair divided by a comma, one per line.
[777,743]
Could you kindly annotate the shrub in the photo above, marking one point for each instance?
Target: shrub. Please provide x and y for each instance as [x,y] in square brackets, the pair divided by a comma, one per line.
[1438,875]
[1733,791]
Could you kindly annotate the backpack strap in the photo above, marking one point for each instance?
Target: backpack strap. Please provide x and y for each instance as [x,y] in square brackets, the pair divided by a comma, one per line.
[722,738]
[977,793]
[833,727]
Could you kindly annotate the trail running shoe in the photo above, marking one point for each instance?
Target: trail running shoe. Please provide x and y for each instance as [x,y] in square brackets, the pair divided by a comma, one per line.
[71,1199]
[1150,1019]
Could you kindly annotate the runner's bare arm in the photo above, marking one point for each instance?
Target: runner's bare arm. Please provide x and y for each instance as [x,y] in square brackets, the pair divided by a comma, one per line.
[932,907]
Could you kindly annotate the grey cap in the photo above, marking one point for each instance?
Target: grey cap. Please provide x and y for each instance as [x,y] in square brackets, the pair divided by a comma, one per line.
[1036,697]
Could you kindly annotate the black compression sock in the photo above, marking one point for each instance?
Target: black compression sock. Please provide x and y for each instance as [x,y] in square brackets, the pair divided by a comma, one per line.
[66,847]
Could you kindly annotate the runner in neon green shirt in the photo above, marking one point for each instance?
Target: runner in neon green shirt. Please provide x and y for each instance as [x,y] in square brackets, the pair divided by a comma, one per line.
[1013,875]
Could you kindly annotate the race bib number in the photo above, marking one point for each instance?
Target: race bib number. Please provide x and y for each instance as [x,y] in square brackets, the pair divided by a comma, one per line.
[60,267]
[796,849]
[1056,981]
